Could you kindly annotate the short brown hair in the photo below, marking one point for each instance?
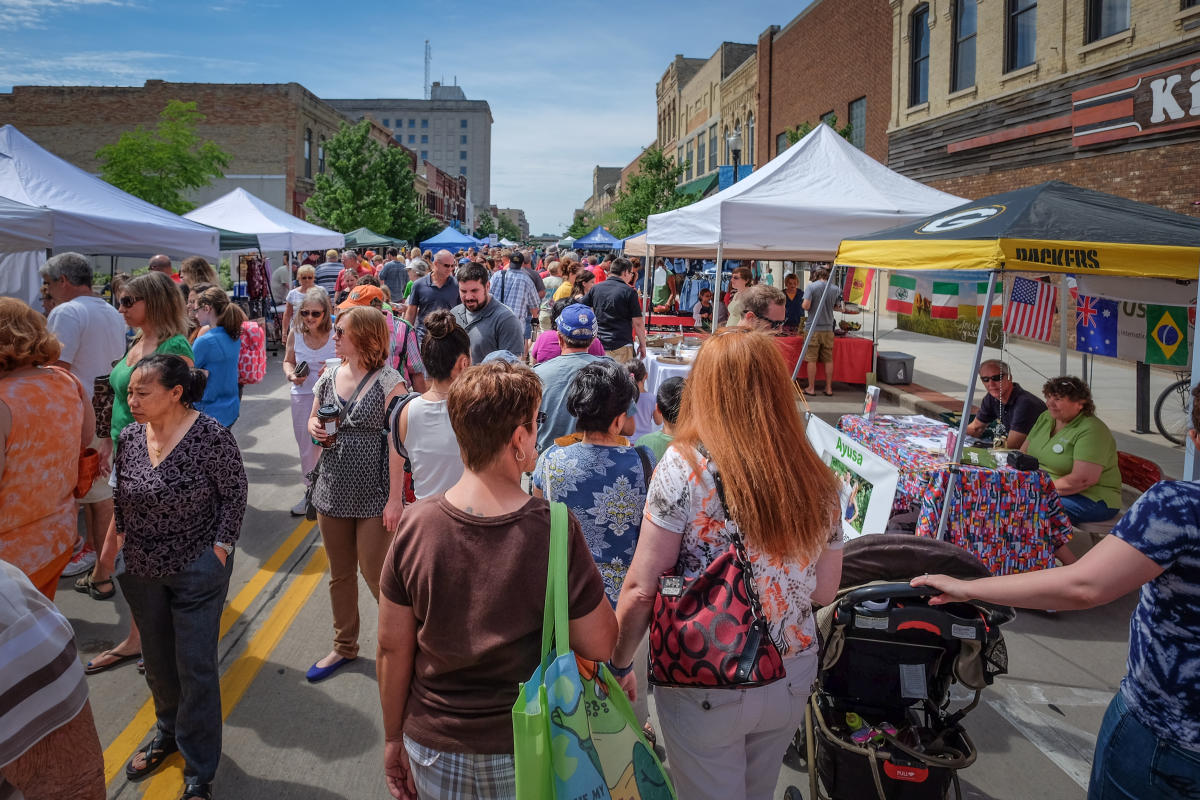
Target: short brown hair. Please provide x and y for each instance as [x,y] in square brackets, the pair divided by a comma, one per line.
[26,341]
[486,404]
[758,298]
[1068,387]
[368,333]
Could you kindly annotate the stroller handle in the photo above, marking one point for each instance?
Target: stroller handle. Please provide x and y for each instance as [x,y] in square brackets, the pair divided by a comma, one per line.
[887,591]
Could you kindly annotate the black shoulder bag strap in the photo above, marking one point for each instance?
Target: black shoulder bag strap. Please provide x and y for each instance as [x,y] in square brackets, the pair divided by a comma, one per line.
[503,275]
[393,424]
[646,471]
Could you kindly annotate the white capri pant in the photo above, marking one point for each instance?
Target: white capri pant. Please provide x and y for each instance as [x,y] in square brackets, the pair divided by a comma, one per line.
[309,452]
[730,743]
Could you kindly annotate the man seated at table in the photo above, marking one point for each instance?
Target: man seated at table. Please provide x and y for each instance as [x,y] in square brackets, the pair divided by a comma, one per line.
[762,308]
[1016,408]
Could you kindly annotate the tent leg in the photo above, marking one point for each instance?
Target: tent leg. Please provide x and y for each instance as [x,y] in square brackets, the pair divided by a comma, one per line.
[717,293]
[812,379]
[1062,335]
[647,301]
[956,456]
[1190,468]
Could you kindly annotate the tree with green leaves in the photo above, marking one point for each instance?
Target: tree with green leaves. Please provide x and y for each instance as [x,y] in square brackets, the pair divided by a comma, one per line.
[582,224]
[653,189]
[805,128]
[508,229]
[367,185]
[162,164]
[485,227]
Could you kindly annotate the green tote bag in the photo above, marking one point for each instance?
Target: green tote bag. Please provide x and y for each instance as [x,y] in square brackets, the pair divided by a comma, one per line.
[574,730]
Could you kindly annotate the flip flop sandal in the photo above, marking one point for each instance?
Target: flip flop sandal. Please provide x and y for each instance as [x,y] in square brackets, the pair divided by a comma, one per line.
[93,668]
[153,755]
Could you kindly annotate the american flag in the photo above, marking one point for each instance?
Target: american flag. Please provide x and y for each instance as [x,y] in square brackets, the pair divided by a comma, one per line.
[1030,310]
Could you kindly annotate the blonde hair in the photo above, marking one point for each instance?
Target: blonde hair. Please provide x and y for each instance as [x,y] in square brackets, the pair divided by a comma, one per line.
[26,341]
[320,297]
[166,313]
[195,270]
[306,271]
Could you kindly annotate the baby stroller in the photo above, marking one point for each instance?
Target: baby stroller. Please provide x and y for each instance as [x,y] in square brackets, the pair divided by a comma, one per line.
[880,723]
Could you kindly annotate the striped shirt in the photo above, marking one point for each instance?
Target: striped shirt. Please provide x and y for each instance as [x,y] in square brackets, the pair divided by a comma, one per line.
[327,276]
[42,686]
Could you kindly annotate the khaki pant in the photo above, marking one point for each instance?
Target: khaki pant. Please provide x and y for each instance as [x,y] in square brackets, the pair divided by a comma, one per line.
[622,355]
[820,347]
[352,545]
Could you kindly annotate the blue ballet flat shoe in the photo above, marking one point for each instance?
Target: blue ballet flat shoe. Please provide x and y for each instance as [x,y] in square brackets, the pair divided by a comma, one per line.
[317,674]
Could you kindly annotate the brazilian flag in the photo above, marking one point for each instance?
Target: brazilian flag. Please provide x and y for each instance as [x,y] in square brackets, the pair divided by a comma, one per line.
[1166,336]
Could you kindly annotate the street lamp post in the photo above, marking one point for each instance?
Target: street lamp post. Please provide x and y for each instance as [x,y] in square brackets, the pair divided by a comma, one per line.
[735,149]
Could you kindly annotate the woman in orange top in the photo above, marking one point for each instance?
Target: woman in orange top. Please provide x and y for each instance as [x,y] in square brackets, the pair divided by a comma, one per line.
[44,423]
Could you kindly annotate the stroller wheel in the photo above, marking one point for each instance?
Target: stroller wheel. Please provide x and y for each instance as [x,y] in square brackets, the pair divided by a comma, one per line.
[792,793]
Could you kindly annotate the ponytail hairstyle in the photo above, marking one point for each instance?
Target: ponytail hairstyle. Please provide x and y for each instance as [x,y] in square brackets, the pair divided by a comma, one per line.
[582,277]
[171,371]
[444,342]
[228,316]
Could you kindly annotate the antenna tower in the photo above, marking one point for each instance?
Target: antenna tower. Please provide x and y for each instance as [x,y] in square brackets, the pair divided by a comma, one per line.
[428,60]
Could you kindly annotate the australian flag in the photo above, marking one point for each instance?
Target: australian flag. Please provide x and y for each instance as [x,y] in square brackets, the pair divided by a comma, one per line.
[1096,326]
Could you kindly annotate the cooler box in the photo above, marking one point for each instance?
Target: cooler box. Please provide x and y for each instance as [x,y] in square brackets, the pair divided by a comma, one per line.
[893,367]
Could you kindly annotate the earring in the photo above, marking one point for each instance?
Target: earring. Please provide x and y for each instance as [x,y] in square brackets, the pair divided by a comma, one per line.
[520,457]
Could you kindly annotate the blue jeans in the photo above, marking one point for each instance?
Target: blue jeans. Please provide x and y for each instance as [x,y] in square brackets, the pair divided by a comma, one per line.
[1083,509]
[1132,762]
[179,616]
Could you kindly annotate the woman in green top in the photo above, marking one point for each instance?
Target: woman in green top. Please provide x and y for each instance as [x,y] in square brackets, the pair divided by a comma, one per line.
[1078,451]
[153,305]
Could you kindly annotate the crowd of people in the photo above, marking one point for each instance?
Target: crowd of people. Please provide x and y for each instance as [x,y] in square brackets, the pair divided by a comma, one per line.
[440,402]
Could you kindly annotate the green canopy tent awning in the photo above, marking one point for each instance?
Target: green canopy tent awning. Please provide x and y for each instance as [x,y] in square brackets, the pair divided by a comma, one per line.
[234,242]
[365,237]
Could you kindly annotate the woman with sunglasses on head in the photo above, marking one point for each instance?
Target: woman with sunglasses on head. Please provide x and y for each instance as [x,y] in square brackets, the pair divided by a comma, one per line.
[353,481]
[152,305]
[309,342]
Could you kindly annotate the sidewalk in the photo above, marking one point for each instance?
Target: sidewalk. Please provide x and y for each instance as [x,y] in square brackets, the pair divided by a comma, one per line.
[941,370]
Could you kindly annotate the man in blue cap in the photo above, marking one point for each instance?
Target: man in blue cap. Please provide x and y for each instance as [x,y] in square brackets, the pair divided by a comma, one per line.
[576,329]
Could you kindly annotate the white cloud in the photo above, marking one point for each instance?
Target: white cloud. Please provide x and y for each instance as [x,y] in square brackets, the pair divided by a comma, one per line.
[109,68]
[17,14]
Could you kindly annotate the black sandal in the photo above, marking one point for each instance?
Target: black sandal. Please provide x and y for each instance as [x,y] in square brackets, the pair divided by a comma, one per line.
[197,791]
[86,585]
[153,755]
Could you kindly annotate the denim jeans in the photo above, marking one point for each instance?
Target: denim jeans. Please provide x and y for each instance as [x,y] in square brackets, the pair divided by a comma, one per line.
[179,616]
[1133,762]
[1083,509]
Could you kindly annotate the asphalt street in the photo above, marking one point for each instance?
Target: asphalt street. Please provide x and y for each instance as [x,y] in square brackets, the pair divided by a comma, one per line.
[284,738]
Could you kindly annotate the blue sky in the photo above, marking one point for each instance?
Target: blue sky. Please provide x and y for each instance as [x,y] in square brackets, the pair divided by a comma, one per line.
[570,84]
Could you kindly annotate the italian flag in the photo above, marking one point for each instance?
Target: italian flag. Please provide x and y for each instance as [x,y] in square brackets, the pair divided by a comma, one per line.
[902,290]
[997,301]
[945,300]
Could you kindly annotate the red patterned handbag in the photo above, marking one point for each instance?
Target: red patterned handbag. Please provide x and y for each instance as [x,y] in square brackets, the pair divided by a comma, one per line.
[709,631]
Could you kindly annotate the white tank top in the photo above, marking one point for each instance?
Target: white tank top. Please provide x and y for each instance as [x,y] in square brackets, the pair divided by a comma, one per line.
[314,359]
[432,448]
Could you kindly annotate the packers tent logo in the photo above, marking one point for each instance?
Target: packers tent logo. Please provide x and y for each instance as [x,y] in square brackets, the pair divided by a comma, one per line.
[961,219]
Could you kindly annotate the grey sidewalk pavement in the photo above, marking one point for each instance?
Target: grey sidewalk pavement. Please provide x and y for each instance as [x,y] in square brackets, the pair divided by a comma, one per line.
[942,368]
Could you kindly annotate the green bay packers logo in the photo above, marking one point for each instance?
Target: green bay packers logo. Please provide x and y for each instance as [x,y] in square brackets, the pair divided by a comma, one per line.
[961,219]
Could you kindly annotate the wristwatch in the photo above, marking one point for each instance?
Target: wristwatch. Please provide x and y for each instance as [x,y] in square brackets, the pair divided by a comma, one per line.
[228,548]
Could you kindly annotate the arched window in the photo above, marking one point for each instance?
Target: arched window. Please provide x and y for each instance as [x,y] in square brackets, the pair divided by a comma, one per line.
[308,152]
[321,155]
[748,141]
[918,56]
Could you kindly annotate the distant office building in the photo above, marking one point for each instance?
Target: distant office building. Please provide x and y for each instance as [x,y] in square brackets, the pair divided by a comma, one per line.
[448,130]
[516,216]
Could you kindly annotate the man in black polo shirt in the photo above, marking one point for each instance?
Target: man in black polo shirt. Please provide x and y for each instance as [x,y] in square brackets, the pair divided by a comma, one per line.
[1016,408]
[618,313]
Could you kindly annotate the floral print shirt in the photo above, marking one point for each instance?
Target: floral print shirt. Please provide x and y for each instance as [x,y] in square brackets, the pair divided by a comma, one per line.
[684,501]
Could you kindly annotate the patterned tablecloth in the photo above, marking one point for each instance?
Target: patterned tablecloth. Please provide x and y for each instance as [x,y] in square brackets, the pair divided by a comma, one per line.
[1012,521]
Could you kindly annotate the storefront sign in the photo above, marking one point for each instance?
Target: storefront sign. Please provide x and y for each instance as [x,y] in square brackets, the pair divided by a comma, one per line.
[868,481]
[1163,99]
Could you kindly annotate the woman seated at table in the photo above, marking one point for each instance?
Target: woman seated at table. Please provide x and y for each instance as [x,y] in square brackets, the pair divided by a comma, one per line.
[1078,451]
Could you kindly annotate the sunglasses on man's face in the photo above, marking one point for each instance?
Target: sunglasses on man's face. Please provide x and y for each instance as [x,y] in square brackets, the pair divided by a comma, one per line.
[991,378]
[775,324]
[128,301]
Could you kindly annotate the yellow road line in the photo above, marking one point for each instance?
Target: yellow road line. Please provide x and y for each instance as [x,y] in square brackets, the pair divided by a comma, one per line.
[123,747]
[237,679]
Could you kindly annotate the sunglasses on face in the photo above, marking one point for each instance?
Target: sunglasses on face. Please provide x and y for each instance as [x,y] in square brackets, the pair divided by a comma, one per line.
[339,333]
[307,313]
[775,324]
[990,378]
[308,277]
[128,301]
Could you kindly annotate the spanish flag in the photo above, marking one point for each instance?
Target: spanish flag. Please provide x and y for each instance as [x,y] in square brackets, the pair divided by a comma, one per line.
[858,285]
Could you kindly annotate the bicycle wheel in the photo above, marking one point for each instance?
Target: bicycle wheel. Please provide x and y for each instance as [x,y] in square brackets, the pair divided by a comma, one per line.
[1173,411]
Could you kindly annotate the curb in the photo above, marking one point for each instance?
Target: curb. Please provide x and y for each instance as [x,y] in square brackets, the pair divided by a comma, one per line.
[917,399]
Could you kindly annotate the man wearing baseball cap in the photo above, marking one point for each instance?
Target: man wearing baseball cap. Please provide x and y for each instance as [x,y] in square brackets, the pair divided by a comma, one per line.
[576,330]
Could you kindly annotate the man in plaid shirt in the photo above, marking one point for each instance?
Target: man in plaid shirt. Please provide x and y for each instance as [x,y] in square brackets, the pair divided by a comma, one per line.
[515,289]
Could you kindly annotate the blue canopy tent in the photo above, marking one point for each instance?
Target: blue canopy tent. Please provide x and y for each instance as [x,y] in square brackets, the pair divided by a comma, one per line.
[449,239]
[598,239]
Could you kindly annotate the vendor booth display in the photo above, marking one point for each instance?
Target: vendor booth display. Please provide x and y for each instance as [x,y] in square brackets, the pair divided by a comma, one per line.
[276,229]
[598,239]
[365,237]
[449,239]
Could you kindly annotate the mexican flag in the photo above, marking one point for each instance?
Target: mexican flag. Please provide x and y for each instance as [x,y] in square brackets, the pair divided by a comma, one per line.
[902,291]
[945,300]
[997,301]
[858,285]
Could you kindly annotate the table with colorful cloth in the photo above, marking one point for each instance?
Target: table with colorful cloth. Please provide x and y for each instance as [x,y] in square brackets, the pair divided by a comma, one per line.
[853,357]
[1011,520]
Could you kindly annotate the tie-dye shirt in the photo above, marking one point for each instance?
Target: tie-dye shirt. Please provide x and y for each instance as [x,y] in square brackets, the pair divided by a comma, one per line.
[1163,684]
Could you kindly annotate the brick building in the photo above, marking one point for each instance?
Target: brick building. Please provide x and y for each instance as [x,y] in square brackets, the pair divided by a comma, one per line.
[275,133]
[445,196]
[606,183]
[739,103]
[834,58]
[990,97]
[667,92]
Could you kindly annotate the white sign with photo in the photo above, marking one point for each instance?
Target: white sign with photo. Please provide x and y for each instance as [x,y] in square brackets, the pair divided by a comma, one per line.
[868,481]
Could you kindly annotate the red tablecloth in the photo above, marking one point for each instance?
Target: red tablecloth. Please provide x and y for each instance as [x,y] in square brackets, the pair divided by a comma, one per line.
[853,357]
[671,321]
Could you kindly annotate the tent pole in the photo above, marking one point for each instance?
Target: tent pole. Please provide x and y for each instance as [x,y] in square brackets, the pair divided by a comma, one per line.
[112,276]
[1189,452]
[956,456]
[647,302]
[812,379]
[1062,335]
[717,292]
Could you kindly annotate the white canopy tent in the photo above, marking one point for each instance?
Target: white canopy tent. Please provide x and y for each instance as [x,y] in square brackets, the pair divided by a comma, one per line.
[276,229]
[90,216]
[24,227]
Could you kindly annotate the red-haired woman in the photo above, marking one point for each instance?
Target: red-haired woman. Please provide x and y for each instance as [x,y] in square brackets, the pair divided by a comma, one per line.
[730,742]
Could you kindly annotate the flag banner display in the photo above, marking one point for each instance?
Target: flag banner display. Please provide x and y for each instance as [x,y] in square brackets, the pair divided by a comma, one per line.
[902,291]
[944,300]
[997,300]
[1152,334]
[858,286]
[1031,309]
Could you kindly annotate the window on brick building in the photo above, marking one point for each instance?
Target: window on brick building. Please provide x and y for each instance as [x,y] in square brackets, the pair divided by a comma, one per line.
[781,143]
[858,123]
[424,155]
[1186,4]
[462,139]
[412,138]
[424,123]
[687,164]
[462,123]
[748,142]
[412,123]
[712,148]
[679,160]
[701,159]
[962,56]
[918,56]
[462,155]
[308,152]
[387,123]
[1020,35]
[424,138]
[1106,17]
[321,155]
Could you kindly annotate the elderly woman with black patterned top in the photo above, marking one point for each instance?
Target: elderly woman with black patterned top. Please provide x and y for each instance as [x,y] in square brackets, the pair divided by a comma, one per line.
[179,501]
